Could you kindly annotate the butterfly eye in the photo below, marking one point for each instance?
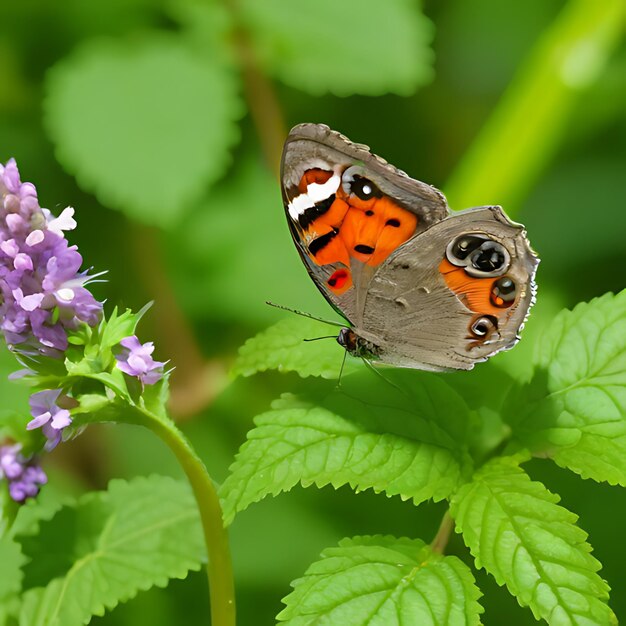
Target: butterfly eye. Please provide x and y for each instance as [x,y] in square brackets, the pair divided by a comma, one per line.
[483,326]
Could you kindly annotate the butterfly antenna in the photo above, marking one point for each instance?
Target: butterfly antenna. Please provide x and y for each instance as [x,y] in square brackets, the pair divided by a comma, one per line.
[318,338]
[303,314]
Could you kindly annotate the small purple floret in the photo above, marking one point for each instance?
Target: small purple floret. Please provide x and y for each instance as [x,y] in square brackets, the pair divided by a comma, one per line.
[48,416]
[42,291]
[135,360]
[24,476]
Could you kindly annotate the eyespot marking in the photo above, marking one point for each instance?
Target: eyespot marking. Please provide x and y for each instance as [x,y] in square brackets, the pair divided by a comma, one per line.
[503,292]
[483,327]
[479,255]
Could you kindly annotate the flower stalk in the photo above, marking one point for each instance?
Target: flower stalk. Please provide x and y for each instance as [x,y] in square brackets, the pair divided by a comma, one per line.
[84,366]
[219,566]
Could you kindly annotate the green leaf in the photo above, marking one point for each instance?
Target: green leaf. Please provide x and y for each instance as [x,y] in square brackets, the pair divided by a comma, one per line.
[283,347]
[384,581]
[97,408]
[112,544]
[14,397]
[119,326]
[155,397]
[11,562]
[146,125]
[348,47]
[250,269]
[574,409]
[517,532]
[404,437]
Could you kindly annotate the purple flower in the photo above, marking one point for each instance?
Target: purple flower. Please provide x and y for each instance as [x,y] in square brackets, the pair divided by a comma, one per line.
[42,291]
[49,416]
[23,475]
[135,360]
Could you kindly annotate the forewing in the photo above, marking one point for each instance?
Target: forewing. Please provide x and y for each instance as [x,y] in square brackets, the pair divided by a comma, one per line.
[348,210]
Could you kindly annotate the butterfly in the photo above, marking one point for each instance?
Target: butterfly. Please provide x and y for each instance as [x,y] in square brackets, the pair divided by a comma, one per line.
[420,286]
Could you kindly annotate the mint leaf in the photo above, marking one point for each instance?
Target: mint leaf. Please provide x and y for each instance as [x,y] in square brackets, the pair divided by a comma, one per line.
[574,409]
[384,581]
[283,347]
[112,544]
[517,532]
[404,437]
[348,47]
[146,125]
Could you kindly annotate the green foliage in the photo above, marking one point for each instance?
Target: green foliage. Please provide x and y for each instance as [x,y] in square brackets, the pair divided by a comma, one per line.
[106,548]
[384,581]
[503,162]
[574,409]
[360,47]
[147,122]
[146,125]
[236,242]
[13,396]
[283,347]
[11,562]
[518,533]
[402,438]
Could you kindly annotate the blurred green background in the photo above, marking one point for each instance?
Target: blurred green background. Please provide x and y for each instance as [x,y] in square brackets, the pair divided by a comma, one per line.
[161,123]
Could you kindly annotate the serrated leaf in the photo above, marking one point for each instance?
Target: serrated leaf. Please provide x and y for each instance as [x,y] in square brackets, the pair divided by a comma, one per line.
[108,547]
[404,437]
[146,125]
[517,532]
[574,409]
[354,46]
[384,581]
[282,347]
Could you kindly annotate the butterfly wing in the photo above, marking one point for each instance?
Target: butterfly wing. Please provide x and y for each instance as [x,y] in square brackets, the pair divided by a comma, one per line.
[453,296]
[348,210]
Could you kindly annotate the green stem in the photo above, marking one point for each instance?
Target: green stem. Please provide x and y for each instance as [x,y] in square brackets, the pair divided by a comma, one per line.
[219,568]
[532,117]
[440,541]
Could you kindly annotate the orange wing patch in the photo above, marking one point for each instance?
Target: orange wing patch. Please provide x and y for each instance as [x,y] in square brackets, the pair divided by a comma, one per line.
[352,228]
[478,294]
[373,229]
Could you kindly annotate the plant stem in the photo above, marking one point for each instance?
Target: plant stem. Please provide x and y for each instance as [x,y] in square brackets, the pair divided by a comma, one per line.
[528,125]
[261,98]
[440,541]
[219,567]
